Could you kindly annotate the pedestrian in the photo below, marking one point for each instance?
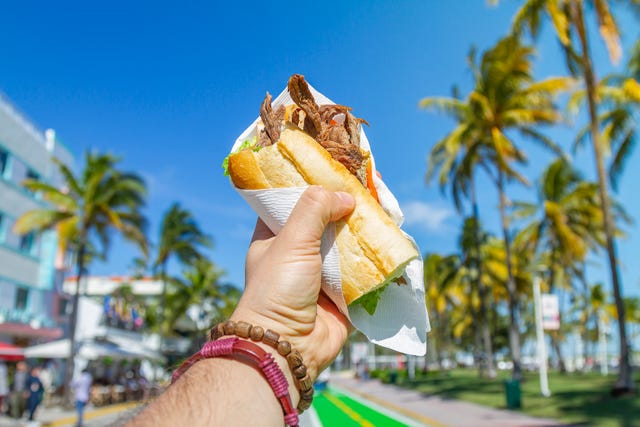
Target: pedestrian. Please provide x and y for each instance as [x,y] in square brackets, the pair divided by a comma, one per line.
[19,393]
[282,296]
[35,390]
[46,376]
[4,386]
[81,387]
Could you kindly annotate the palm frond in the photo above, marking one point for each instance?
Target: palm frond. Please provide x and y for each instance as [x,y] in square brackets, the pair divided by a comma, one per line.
[69,179]
[552,85]
[528,18]
[38,220]
[560,21]
[52,194]
[628,143]
[631,89]
[451,106]
[544,141]
[608,30]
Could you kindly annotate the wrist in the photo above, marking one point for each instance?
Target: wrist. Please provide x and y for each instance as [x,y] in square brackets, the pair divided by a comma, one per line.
[289,358]
[296,336]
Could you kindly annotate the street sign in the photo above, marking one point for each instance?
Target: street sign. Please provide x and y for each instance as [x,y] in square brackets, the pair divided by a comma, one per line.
[550,312]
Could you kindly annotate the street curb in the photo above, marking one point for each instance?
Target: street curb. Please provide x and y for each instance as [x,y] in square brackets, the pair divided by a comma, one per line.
[95,413]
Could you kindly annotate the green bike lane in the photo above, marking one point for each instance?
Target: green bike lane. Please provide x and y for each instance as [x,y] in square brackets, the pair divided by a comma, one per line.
[335,407]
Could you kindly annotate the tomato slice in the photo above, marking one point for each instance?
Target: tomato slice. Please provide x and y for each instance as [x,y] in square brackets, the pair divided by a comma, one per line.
[370,185]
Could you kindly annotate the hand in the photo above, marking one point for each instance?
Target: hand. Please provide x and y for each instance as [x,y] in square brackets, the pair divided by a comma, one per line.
[282,273]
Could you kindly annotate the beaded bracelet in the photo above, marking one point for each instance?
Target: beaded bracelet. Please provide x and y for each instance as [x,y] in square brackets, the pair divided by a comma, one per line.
[303,381]
[255,356]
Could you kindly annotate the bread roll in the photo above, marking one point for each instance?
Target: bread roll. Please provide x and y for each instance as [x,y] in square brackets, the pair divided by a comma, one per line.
[373,250]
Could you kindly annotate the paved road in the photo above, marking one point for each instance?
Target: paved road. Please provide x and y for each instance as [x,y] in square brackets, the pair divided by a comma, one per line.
[435,411]
[347,403]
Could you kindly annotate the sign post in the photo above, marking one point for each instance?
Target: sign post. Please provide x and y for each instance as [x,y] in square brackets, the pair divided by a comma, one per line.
[541,348]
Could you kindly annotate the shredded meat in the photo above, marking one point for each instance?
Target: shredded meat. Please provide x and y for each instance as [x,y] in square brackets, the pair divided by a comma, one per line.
[272,122]
[301,95]
[333,126]
[347,154]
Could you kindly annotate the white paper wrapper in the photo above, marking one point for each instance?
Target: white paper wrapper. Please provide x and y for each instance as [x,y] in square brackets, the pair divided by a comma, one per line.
[400,321]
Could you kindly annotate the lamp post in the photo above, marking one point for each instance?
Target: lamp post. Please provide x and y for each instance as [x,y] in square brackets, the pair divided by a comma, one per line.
[540,346]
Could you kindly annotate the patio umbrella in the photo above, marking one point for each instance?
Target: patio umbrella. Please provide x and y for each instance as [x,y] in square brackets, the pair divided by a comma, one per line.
[10,353]
[87,349]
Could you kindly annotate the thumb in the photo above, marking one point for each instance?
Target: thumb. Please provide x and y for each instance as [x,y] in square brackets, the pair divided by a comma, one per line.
[314,210]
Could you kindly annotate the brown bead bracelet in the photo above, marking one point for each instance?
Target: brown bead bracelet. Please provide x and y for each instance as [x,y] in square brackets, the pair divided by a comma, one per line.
[241,329]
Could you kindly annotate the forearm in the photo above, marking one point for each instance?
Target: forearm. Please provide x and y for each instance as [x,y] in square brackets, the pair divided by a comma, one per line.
[215,392]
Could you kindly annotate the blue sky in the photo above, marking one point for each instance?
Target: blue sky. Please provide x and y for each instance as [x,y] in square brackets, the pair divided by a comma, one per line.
[169,86]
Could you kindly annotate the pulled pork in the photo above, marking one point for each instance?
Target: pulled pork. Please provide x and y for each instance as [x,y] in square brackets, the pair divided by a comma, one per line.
[333,126]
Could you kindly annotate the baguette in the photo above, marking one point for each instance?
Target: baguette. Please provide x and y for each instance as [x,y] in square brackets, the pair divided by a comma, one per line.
[373,250]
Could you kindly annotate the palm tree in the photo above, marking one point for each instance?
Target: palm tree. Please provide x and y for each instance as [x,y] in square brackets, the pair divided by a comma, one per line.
[85,212]
[199,287]
[568,18]
[441,291]
[566,224]
[180,237]
[470,243]
[506,98]
[456,158]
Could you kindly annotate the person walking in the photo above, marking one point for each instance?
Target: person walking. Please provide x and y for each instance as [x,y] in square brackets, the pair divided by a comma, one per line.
[4,386]
[81,387]
[35,390]
[19,393]
[47,384]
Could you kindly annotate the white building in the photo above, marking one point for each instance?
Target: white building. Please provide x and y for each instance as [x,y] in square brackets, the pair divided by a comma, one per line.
[29,307]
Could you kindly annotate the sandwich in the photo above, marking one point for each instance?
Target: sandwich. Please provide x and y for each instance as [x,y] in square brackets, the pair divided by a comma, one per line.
[309,144]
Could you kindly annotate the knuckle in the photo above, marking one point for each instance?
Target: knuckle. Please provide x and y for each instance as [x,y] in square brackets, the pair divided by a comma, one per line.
[316,195]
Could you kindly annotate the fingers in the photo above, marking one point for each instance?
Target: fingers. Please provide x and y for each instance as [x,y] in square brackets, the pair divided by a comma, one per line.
[261,232]
[315,209]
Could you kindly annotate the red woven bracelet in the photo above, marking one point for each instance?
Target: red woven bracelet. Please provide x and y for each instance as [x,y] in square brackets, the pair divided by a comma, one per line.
[255,356]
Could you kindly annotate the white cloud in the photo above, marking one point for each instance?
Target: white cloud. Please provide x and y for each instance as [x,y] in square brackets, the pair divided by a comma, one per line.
[427,216]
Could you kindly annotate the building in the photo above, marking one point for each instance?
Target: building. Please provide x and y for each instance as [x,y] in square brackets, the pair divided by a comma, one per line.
[124,303]
[29,303]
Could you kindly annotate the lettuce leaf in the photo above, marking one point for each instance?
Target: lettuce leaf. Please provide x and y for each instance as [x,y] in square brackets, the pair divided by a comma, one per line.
[247,143]
[370,301]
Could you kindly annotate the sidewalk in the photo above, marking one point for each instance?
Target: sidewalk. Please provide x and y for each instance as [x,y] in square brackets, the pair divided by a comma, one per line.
[58,417]
[434,411]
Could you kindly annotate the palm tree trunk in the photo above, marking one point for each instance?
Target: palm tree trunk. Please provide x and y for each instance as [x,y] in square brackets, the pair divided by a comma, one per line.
[514,330]
[163,302]
[625,379]
[70,365]
[438,340]
[482,290]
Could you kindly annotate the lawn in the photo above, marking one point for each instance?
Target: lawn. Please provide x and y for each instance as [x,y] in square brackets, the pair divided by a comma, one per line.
[580,399]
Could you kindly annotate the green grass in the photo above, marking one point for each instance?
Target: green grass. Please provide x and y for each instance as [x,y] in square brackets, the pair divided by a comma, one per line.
[580,399]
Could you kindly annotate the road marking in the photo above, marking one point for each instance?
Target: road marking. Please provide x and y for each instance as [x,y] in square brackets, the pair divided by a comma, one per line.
[350,412]
[391,406]
[95,413]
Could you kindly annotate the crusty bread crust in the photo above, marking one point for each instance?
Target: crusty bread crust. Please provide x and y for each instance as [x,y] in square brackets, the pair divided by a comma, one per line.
[373,250]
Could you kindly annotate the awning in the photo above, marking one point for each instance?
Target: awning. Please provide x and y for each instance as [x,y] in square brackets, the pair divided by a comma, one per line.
[25,330]
[10,353]
[87,349]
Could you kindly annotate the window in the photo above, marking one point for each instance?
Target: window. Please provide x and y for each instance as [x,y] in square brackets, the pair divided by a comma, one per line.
[27,243]
[34,176]
[31,174]
[4,163]
[64,307]
[3,227]
[22,298]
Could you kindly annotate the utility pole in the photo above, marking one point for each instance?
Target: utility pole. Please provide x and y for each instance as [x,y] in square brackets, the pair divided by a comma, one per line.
[540,346]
